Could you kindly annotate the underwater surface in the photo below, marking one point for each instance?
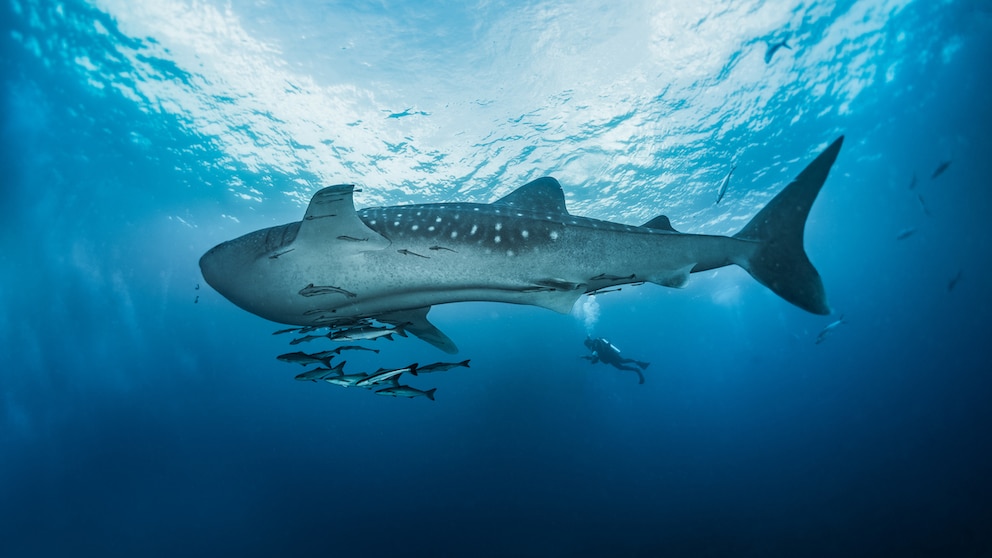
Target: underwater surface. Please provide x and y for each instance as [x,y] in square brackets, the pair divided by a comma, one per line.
[143,414]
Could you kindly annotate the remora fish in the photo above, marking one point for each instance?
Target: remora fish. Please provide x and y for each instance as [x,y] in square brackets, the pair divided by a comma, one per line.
[954,281]
[940,169]
[725,183]
[830,327]
[320,373]
[384,374]
[906,233]
[525,248]
[365,333]
[304,359]
[407,391]
[346,380]
[439,367]
[353,348]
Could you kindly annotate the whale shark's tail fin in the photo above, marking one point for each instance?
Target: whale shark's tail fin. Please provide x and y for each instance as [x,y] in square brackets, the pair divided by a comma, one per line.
[780,262]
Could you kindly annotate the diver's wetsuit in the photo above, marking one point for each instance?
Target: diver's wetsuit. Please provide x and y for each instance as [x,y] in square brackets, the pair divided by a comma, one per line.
[604,351]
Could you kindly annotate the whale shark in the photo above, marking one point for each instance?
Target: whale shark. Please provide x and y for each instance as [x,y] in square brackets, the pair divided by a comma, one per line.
[392,264]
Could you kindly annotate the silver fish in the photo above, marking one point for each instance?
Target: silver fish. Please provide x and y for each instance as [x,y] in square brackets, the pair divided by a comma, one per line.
[830,327]
[725,183]
[346,380]
[365,333]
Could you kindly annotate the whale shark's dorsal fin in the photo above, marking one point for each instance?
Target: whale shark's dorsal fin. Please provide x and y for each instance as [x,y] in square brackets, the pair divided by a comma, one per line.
[543,194]
[331,218]
[660,223]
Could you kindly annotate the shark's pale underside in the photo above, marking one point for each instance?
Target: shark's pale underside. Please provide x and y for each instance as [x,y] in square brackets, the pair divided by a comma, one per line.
[393,263]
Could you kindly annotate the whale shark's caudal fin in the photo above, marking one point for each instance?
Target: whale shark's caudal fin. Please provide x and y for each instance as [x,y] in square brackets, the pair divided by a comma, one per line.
[780,262]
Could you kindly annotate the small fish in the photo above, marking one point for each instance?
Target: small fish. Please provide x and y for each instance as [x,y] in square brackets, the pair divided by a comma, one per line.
[365,333]
[277,254]
[197,299]
[311,290]
[346,380]
[923,206]
[197,287]
[954,281]
[940,169]
[320,373]
[604,291]
[830,327]
[383,374]
[353,348]
[281,331]
[352,239]
[407,391]
[906,233]
[773,48]
[605,277]
[725,183]
[305,339]
[436,248]
[439,367]
[303,359]
[406,252]
[912,183]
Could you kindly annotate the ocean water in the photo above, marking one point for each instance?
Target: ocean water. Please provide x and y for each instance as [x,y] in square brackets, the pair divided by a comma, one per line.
[142,414]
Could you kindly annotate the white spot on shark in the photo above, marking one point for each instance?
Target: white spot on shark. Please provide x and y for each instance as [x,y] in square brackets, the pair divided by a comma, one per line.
[524,234]
[554,235]
[475,229]
[499,226]
[497,239]
[454,234]
[431,228]
[415,227]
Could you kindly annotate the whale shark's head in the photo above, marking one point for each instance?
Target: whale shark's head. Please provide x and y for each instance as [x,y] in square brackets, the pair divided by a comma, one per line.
[230,266]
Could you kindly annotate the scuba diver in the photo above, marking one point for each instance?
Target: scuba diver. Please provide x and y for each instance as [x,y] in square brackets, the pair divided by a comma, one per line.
[605,352]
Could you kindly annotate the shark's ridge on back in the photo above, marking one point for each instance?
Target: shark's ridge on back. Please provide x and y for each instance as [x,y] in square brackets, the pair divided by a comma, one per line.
[394,263]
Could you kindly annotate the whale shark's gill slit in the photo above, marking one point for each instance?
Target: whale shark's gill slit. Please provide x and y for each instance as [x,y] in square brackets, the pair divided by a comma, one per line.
[311,290]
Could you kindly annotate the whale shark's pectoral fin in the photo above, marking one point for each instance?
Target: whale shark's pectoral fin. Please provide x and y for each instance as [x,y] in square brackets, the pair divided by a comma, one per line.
[415,322]
[331,221]
[554,294]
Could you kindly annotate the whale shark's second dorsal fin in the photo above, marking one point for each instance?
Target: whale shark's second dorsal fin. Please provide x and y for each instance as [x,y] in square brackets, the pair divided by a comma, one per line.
[660,223]
[331,218]
[543,194]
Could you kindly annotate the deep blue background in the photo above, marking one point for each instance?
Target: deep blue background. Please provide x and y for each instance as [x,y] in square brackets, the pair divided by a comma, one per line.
[135,422]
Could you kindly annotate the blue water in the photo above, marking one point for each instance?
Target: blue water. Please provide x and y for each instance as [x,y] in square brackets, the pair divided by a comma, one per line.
[142,414]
